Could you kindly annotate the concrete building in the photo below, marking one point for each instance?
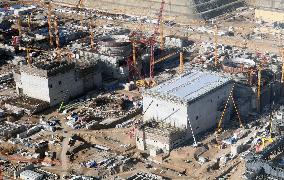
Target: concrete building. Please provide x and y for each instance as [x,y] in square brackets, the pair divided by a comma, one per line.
[56,81]
[113,52]
[194,100]
[158,138]
[269,10]
[178,9]
[30,175]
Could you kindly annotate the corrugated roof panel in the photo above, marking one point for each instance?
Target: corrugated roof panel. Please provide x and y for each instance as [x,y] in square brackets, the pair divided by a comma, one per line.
[189,86]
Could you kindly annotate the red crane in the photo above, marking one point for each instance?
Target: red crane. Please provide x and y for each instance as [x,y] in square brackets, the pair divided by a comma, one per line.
[149,41]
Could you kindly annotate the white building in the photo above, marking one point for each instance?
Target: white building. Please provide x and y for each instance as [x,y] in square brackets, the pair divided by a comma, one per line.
[195,100]
[56,82]
[30,175]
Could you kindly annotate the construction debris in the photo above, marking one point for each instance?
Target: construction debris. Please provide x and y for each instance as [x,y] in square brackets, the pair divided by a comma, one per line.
[140,90]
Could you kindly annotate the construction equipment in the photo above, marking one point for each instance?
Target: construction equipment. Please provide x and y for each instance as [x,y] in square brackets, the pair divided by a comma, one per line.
[263,61]
[28,56]
[150,41]
[216,46]
[145,83]
[166,57]
[19,25]
[162,35]
[265,140]
[219,128]
[282,56]
[80,4]
[49,24]
[149,83]
[181,63]
[57,40]
[134,53]
[61,107]
[92,33]
[259,87]
[29,22]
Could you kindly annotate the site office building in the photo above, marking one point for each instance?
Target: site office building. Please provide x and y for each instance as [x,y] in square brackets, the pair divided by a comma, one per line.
[196,99]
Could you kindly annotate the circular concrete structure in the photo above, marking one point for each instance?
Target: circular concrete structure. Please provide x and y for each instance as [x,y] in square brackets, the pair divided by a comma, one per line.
[173,9]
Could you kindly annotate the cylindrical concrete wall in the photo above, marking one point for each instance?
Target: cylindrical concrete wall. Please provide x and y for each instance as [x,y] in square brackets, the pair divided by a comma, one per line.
[180,10]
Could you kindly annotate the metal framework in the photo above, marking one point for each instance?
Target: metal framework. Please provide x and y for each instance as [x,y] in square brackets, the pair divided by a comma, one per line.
[150,41]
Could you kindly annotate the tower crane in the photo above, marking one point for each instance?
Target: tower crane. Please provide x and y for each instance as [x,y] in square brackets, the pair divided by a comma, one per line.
[29,22]
[259,86]
[149,41]
[181,63]
[92,33]
[80,4]
[162,43]
[216,46]
[260,67]
[282,56]
[19,25]
[49,24]
[152,40]
[57,40]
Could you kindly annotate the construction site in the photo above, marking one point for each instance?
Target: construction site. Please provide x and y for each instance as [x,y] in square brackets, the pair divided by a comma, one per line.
[141,89]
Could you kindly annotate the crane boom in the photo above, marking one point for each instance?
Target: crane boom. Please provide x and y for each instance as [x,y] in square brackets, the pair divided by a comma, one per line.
[57,40]
[153,40]
[49,25]
[216,46]
[92,33]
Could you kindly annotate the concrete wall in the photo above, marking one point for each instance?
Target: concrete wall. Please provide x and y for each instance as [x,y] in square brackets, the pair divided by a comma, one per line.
[64,86]
[154,140]
[244,97]
[35,86]
[269,15]
[270,4]
[205,113]
[161,109]
[269,10]
[57,88]
[180,10]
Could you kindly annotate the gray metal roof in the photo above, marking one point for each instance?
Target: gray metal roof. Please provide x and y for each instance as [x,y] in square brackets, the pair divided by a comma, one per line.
[189,86]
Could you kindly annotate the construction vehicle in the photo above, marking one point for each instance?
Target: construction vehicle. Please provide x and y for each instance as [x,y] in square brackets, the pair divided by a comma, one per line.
[264,141]
[145,83]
